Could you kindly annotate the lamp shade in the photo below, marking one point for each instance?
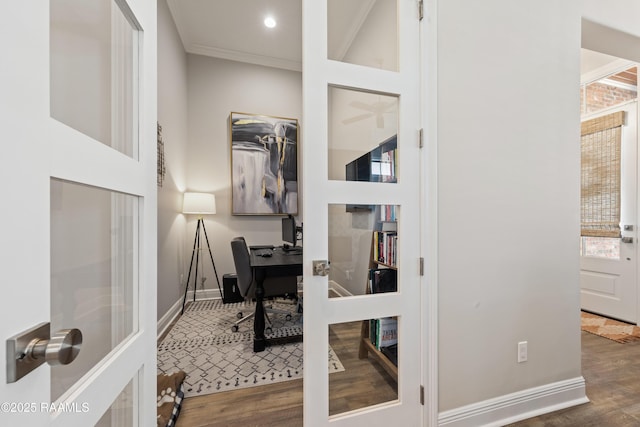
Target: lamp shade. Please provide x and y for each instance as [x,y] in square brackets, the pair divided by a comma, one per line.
[199,203]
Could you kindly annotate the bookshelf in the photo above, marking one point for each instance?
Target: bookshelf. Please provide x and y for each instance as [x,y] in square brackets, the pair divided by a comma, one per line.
[382,258]
[379,165]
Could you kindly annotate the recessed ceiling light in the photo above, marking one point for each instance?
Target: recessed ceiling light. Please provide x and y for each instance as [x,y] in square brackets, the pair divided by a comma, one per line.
[269,22]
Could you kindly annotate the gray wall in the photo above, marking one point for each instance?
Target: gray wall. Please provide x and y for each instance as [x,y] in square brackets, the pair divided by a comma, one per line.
[172,116]
[508,194]
[218,87]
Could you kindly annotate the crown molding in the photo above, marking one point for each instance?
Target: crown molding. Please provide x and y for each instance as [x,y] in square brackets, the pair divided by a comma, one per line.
[250,58]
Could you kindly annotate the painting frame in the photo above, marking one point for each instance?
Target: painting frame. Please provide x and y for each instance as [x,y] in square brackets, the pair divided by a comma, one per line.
[264,164]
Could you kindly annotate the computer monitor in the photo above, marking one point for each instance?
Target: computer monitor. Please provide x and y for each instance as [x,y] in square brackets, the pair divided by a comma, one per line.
[289,230]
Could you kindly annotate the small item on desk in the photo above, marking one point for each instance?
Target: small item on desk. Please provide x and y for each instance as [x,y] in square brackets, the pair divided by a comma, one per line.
[261,247]
[264,252]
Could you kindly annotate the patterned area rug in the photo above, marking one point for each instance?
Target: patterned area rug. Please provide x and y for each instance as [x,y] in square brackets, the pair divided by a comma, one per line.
[608,328]
[215,359]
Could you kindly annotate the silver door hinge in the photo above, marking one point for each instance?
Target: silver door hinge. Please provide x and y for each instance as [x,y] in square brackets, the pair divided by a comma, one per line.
[422,266]
[420,9]
[421,138]
[422,395]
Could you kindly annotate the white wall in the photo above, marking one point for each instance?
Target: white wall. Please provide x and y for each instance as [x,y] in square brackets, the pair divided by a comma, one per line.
[612,27]
[508,194]
[622,15]
[216,88]
[172,116]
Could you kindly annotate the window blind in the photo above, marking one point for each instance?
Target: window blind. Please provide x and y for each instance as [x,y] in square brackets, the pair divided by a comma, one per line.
[600,175]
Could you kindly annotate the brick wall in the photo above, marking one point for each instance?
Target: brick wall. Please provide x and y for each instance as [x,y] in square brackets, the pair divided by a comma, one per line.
[599,95]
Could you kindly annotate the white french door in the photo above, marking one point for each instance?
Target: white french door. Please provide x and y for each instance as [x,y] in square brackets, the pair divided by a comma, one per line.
[608,265]
[78,108]
[361,160]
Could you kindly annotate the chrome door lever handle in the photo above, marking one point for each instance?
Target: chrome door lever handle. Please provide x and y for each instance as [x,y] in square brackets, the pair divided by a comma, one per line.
[627,240]
[31,348]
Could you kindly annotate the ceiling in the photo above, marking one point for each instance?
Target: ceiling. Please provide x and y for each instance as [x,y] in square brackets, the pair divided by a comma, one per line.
[591,60]
[234,29]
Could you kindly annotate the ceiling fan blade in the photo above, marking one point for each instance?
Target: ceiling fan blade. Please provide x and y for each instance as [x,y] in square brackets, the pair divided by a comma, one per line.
[386,106]
[357,118]
[363,106]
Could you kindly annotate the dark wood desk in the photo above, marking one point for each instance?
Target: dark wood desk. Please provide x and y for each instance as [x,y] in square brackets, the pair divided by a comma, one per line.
[280,264]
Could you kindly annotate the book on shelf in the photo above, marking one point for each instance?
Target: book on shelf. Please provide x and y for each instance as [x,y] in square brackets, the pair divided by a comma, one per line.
[383,280]
[391,352]
[373,334]
[383,332]
[388,213]
[388,169]
[385,244]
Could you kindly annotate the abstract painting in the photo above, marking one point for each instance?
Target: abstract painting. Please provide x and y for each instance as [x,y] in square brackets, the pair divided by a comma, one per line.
[264,164]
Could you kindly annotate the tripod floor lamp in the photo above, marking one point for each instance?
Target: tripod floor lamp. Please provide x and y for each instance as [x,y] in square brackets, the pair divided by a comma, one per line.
[199,204]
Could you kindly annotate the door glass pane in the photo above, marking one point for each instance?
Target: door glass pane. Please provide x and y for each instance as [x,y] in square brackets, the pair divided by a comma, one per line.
[368,350]
[93,71]
[363,143]
[363,32]
[120,413]
[93,273]
[363,242]
[600,247]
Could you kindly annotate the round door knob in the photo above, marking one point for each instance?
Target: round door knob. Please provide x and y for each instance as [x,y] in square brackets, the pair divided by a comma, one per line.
[61,349]
[321,268]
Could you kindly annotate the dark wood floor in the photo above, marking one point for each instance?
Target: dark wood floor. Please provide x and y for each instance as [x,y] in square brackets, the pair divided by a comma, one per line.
[363,383]
[612,374]
[611,370]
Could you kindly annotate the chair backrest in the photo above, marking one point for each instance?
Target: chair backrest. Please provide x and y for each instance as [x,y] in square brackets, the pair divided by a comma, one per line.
[242,261]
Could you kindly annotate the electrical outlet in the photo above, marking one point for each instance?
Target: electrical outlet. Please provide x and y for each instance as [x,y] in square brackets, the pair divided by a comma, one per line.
[522,351]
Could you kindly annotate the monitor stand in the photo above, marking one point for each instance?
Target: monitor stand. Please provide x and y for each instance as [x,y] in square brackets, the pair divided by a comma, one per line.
[289,248]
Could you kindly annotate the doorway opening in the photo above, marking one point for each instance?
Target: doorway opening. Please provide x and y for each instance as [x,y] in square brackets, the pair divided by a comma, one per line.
[609,186]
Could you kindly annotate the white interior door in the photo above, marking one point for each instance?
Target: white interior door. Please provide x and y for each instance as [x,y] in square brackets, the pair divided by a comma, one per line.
[78,86]
[361,93]
[608,265]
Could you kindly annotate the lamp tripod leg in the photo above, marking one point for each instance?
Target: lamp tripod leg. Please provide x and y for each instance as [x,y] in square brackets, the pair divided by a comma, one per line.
[186,288]
[212,262]
[195,279]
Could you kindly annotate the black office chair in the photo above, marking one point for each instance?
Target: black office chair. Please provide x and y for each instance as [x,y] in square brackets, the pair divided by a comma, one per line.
[273,286]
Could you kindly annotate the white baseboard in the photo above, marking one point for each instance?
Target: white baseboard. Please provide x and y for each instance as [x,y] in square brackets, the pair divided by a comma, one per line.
[517,406]
[176,308]
[169,317]
[204,294]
